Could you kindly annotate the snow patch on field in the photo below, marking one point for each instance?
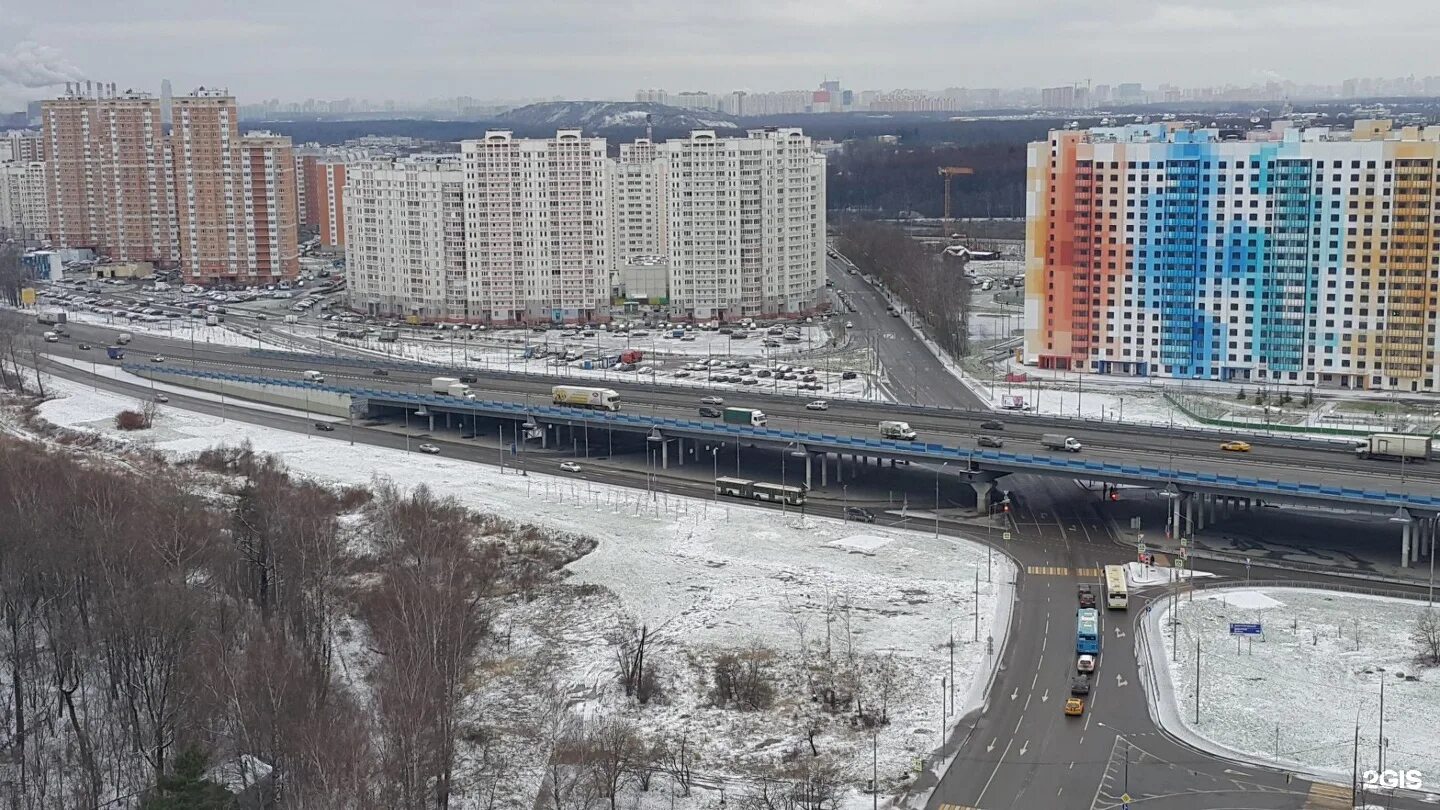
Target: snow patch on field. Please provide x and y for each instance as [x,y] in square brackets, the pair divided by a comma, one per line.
[1293,696]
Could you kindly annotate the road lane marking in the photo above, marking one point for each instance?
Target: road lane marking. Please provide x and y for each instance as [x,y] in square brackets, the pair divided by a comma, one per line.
[1024,748]
[1087,573]
[991,746]
[1018,723]
[1027,702]
[996,770]
[1048,570]
[1045,696]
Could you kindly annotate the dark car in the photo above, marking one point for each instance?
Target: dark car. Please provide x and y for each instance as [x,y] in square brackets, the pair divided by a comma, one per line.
[1087,597]
[84,346]
[709,411]
[1080,685]
[857,513]
[849,375]
[469,378]
[992,425]
[380,372]
[989,441]
[324,427]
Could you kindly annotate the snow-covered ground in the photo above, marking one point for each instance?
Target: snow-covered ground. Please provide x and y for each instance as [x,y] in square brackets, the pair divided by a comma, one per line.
[1295,696]
[709,576]
[1142,576]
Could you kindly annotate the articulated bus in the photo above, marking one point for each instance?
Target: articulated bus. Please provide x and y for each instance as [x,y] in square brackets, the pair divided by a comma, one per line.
[1117,593]
[759,491]
[1087,631]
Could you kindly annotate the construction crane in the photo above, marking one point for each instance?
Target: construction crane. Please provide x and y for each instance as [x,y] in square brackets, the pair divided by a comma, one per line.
[949,173]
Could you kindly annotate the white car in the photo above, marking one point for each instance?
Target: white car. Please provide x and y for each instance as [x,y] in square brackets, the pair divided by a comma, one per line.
[645,370]
[1085,663]
[849,324]
[569,466]
[159,358]
[713,401]
[818,405]
[161,398]
[429,448]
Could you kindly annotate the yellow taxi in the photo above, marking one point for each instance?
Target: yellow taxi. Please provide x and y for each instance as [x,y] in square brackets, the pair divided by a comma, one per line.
[1074,706]
[1236,446]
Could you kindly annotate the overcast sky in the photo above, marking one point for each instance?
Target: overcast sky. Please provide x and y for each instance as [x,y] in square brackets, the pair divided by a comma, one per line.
[293,49]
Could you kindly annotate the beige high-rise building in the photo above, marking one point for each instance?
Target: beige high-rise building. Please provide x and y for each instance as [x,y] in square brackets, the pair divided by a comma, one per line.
[537,230]
[267,174]
[108,180]
[405,248]
[226,192]
[218,205]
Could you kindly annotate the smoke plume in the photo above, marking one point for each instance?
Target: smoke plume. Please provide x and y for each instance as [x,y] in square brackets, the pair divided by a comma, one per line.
[30,64]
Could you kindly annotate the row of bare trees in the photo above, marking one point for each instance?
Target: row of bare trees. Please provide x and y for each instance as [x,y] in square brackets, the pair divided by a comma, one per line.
[934,288]
[152,615]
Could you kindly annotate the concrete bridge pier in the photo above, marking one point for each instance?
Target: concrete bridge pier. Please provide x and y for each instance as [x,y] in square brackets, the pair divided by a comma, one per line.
[982,489]
[1405,532]
[824,468]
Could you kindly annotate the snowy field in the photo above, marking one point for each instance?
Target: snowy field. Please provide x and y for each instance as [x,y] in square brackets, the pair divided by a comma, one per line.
[710,577]
[1294,697]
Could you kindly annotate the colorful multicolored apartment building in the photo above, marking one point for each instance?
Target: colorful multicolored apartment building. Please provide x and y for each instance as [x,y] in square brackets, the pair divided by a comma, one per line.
[1282,255]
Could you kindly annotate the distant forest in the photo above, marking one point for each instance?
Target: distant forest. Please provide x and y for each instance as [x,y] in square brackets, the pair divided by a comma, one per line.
[869,177]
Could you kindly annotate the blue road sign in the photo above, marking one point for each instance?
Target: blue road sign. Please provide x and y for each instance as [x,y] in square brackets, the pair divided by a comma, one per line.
[1241,629]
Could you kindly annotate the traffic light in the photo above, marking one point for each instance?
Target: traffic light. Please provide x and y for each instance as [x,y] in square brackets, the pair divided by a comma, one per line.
[1114,494]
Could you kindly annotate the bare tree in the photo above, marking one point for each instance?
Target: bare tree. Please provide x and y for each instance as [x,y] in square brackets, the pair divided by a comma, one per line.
[743,679]
[631,647]
[886,674]
[613,751]
[1427,635]
[678,759]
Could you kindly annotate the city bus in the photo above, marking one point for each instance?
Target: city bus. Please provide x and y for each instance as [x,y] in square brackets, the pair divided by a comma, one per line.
[759,491]
[1117,593]
[1087,631]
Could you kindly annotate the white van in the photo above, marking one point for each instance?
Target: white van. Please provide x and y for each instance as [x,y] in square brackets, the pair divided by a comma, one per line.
[314,376]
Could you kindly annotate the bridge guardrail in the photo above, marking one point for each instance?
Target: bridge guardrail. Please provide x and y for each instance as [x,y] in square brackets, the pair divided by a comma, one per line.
[1080,468]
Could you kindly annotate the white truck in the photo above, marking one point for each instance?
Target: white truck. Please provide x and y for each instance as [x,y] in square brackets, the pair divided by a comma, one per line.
[1394,446]
[50,317]
[292,319]
[1059,441]
[604,399]
[314,376]
[897,430]
[461,391]
[212,320]
[441,385]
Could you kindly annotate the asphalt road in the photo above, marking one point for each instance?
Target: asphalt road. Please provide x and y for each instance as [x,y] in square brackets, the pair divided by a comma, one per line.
[911,371]
[1022,752]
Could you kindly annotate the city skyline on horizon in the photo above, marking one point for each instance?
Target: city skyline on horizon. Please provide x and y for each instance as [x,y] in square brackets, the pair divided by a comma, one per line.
[556,48]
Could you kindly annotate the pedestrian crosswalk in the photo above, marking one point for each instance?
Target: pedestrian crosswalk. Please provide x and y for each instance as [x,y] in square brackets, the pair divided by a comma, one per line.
[957,807]
[1328,797]
[1062,571]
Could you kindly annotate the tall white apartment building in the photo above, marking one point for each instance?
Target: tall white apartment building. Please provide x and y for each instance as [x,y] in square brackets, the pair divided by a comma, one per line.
[405,238]
[746,223]
[23,212]
[638,196]
[537,230]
